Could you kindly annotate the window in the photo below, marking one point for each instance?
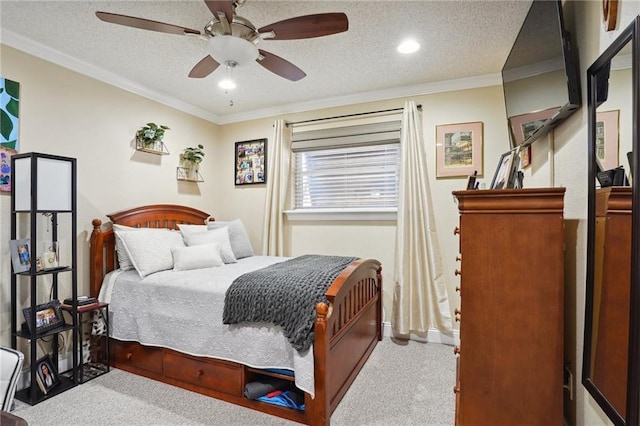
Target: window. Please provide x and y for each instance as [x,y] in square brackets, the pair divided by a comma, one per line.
[355,167]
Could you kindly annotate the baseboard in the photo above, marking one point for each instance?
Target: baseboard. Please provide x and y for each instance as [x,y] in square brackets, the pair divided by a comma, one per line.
[433,335]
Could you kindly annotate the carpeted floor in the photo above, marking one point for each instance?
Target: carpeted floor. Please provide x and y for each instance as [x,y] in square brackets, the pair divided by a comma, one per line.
[403,383]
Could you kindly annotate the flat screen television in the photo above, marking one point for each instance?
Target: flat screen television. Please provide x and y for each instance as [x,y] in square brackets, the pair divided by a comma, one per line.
[540,77]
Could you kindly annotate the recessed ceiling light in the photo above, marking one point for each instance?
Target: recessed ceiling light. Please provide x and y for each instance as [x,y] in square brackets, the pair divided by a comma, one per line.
[408,46]
[227,84]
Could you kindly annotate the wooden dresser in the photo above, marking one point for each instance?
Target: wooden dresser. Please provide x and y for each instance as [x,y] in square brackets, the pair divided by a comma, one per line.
[510,358]
[612,293]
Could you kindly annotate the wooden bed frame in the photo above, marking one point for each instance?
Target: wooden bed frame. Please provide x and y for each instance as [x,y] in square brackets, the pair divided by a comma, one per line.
[346,331]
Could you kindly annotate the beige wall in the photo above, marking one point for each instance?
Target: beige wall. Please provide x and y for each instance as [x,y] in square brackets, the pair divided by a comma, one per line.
[65,113]
[68,114]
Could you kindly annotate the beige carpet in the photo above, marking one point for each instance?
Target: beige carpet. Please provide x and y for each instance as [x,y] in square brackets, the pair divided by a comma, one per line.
[403,383]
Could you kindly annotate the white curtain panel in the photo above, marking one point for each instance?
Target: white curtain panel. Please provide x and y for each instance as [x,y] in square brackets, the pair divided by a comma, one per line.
[420,299]
[278,178]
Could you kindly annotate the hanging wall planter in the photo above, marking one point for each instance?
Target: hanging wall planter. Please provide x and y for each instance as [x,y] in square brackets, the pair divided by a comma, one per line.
[190,160]
[149,139]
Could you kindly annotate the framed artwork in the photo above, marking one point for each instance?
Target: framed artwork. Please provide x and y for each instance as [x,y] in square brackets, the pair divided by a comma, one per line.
[250,165]
[5,168]
[505,172]
[46,375]
[20,255]
[607,138]
[9,113]
[522,126]
[459,149]
[48,316]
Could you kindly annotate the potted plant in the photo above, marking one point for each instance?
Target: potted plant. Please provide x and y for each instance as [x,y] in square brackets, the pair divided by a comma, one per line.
[191,157]
[151,134]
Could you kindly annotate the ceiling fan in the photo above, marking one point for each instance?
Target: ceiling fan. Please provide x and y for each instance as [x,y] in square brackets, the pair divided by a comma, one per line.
[233,40]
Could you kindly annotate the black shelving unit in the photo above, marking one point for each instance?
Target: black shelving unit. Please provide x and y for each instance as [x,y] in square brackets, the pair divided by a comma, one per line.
[36,180]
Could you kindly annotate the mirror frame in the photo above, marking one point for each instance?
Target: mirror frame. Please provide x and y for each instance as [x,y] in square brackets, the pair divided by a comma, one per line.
[631,34]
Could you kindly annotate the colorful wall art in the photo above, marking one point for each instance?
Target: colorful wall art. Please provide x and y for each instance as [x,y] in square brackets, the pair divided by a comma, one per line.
[9,128]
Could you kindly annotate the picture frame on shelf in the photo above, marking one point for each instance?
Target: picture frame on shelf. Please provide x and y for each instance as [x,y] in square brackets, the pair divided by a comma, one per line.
[506,170]
[20,255]
[523,126]
[250,162]
[608,138]
[48,316]
[46,374]
[459,149]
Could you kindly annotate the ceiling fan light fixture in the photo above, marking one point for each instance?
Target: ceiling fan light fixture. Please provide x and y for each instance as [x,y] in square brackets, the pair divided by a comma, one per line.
[408,46]
[226,48]
[227,84]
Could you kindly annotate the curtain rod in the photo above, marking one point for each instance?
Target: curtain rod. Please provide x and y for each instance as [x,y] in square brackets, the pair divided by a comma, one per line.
[349,115]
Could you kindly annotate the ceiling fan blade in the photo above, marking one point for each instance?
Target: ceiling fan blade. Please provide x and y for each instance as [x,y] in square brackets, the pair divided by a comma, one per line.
[205,67]
[280,66]
[308,26]
[144,24]
[224,6]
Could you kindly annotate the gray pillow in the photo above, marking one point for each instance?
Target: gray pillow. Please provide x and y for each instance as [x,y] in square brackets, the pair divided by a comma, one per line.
[238,237]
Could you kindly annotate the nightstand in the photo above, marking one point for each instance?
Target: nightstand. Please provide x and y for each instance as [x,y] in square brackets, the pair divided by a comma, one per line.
[94,350]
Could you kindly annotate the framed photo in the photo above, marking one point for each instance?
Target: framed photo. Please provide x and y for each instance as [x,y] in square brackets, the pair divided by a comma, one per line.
[522,126]
[46,375]
[505,173]
[607,138]
[48,316]
[250,162]
[20,255]
[459,149]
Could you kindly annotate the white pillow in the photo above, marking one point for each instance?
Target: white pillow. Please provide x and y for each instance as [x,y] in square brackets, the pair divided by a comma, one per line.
[220,236]
[196,257]
[238,237]
[184,228]
[123,258]
[150,251]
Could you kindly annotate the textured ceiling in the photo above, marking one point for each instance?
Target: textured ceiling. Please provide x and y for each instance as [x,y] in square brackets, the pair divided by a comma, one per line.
[460,39]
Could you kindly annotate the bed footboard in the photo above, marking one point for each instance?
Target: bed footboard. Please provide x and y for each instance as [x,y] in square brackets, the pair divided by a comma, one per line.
[346,332]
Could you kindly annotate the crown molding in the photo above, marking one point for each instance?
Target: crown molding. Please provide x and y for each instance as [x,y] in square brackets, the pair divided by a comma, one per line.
[372,96]
[39,50]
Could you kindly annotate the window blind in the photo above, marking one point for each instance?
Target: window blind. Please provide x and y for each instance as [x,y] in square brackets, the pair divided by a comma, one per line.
[348,167]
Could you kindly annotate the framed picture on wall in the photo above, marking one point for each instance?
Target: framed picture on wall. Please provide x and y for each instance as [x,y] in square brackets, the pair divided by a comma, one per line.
[459,149]
[251,162]
[524,125]
[607,138]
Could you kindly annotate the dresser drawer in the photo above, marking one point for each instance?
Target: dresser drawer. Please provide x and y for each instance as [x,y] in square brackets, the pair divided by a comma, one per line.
[214,374]
[138,356]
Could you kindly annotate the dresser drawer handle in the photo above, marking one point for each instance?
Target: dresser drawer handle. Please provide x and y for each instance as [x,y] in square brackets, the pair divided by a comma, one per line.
[457,272]
[458,289]
[458,314]
[129,355]
[199,373]
[458,258]
[456,230]
[456,350]
[456,389]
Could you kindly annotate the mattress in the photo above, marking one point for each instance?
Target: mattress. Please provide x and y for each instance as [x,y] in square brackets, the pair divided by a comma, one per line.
[182,310]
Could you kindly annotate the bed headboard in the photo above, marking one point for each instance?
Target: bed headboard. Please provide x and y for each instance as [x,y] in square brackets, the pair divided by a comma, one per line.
[102,251]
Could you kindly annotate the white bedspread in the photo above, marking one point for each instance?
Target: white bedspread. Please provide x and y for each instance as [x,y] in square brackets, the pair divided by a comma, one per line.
[182,310]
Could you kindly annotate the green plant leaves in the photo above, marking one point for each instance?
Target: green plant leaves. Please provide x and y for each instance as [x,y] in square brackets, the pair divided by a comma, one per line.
[12,88]
[6,125]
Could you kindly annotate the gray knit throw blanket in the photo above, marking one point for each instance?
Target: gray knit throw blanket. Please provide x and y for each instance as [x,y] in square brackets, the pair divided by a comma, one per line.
[284,294]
